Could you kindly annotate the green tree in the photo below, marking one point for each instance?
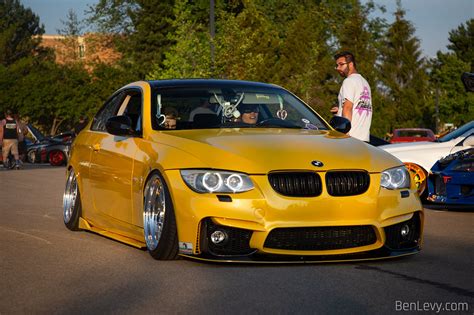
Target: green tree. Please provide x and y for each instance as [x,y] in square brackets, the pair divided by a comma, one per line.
[462,42]
[72,30]
[454,103]
[53,96]
[190,56]
[72,26]
[403,77]
[143,27]
[47,93]
[18,30]
[305,62]
[245,44]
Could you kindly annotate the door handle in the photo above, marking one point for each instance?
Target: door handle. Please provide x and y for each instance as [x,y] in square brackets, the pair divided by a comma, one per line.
[96,147]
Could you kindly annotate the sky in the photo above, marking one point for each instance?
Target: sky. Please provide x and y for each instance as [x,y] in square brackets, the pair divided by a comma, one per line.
[432,19]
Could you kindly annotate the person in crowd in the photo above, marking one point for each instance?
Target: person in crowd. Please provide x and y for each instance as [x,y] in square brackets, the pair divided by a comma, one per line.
[9,138]
[355,97]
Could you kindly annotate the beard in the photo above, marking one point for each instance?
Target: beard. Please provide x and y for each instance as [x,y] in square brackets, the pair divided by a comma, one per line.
[343,73]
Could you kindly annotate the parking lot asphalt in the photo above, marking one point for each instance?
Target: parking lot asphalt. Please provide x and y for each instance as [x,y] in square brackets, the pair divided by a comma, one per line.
[47,269]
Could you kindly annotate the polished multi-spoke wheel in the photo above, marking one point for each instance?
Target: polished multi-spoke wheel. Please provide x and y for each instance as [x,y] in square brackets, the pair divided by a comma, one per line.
[71,202]
[154,213]
[158,220]
[418,175]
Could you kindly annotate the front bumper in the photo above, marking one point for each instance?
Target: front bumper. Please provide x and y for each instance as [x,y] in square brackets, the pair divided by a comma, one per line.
[263,226]
[237,246]
[451,189]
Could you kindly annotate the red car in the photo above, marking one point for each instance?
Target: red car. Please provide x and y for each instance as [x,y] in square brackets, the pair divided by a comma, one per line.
[412,135]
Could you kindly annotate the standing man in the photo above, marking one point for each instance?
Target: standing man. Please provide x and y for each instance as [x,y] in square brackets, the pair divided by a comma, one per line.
[355,97]
[9,138]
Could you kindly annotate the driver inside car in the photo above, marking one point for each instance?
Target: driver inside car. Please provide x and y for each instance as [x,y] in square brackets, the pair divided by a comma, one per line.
[249,113]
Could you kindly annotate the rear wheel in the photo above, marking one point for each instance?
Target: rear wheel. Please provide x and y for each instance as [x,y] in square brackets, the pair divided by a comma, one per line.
[419,175]
[159,222]
[57,158]
[71,202]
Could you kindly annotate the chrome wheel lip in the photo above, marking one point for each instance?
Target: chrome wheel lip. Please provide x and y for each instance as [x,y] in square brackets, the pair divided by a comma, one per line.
[154,212]
[69,196]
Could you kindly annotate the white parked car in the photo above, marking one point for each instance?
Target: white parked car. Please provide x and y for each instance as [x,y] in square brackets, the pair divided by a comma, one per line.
[419,157]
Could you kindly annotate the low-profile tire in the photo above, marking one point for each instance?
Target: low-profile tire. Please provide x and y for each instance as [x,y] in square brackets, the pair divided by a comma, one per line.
[71,202]
[57,158]
[159,222]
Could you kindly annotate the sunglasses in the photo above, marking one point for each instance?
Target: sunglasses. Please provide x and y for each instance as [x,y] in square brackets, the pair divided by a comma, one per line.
[341,64]
[249,110]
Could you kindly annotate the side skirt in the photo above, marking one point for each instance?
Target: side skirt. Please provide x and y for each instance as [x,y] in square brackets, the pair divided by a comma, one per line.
[83,224]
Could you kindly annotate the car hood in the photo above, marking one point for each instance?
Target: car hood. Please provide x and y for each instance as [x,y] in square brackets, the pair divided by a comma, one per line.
[259,151]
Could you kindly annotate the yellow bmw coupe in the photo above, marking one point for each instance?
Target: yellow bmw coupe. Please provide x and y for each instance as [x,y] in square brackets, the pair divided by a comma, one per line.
[236,171]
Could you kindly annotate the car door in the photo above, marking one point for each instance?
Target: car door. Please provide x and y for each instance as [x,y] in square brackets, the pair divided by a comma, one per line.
[83,147]
[111,164]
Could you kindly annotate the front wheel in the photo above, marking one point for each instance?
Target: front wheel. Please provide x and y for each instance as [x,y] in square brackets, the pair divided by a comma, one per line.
[159,223]
[71,202]
[419,175]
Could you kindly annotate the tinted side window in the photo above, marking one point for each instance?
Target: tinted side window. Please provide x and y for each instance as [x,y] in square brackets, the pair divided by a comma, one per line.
[108,110]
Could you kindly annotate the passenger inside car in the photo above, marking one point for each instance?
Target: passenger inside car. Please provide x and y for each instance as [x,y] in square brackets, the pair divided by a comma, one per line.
[171,116]
[248,113]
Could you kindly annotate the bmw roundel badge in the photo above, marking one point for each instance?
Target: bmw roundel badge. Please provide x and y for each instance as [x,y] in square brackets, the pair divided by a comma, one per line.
[317,163]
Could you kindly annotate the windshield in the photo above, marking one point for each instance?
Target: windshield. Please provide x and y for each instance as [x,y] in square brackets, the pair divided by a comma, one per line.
[458,132]
[236,107]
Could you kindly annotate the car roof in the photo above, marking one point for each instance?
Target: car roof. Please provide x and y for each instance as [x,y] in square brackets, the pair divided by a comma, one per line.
[208,82]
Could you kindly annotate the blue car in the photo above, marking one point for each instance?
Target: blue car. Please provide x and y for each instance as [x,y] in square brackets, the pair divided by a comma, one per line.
[451,181]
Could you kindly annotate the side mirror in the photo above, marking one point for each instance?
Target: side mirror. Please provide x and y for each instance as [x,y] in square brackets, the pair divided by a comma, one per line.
[341,124]
[119,126]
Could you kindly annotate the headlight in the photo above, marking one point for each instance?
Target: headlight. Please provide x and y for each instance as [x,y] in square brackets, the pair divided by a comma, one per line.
[211,181]
[395,178]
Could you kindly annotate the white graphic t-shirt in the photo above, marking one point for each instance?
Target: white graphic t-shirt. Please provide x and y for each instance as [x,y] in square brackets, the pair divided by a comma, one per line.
[357,90]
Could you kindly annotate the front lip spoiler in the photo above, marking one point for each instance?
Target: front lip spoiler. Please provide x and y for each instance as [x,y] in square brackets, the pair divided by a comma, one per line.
[377,254]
